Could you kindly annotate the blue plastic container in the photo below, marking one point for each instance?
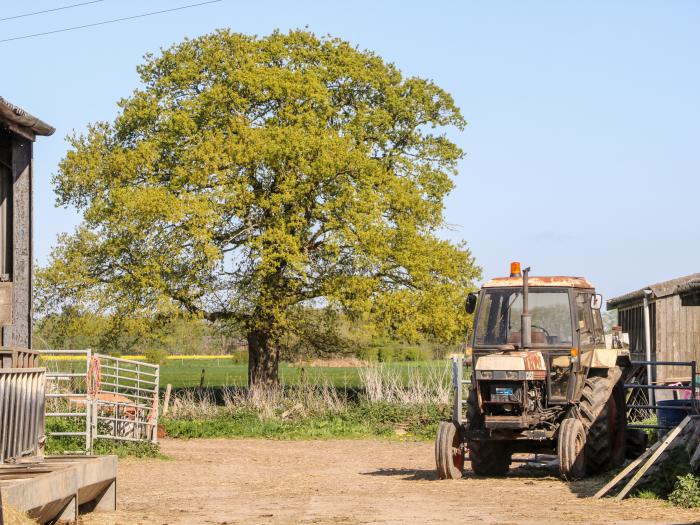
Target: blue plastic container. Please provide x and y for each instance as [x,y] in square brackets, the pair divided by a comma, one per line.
[670,417]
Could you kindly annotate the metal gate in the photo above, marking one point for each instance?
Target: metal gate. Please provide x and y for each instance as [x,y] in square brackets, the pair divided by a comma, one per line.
[66,394]
[642,395]
[124,399]
[113,398]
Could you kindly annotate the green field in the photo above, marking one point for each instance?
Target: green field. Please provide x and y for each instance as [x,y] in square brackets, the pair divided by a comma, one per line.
[224,372]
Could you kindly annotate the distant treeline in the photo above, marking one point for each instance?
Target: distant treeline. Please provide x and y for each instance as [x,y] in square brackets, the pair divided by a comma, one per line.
[322,336]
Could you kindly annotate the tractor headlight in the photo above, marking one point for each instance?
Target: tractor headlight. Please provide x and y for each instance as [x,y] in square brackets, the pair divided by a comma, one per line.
[485,374]
[512,375]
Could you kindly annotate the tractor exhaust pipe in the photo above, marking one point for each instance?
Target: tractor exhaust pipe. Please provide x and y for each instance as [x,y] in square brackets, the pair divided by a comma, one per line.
[525,318]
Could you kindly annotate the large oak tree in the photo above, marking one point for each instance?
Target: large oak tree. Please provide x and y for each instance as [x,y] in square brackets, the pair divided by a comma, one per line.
[250,176]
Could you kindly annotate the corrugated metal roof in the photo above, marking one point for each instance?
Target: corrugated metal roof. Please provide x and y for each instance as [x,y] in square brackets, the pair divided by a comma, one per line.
[16,116]
[557,280]
[685,284]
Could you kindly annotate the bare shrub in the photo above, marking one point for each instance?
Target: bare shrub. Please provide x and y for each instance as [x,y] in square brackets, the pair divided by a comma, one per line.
[420,386]
[191,404]
[303,399]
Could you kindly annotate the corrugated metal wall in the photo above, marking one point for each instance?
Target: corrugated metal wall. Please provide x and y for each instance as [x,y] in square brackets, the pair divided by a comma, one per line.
[631,320]
[21,411]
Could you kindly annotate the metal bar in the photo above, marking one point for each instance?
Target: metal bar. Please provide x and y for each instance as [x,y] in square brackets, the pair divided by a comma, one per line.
[131,361]
[664,363]
[67,433]
[62,352]
[656,387]
[89,405]
[641,426]
[128,371]
[122,378]
[656,407]
[121,404]
[647,342]
[149,390]
[117,438]
[693,392]
[66,394]
[125,394]
[123,420]
[65,414]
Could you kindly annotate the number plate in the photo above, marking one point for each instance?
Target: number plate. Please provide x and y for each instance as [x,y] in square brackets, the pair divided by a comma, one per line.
[500,391]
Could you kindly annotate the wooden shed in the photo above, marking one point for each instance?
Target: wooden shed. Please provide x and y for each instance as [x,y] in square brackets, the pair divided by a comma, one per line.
[18,130]
[674,321]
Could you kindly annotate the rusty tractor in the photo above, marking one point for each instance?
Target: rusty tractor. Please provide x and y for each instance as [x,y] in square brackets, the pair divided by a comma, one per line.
[542,381]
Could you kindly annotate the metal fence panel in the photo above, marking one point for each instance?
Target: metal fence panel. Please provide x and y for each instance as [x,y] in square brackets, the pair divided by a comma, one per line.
[119,397]
[67,392]
[643,406]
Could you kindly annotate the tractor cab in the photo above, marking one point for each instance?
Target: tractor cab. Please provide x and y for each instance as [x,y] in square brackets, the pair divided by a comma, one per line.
[563,320]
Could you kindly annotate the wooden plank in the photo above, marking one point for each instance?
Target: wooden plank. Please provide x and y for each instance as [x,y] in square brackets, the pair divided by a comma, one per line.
[670,437]
[695,312]
[629,468]
[677,352]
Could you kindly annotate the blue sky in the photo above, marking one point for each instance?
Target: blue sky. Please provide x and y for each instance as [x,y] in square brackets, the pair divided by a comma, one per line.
[582,150]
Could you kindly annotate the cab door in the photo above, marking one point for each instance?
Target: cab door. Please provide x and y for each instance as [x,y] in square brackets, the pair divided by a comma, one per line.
[587,339]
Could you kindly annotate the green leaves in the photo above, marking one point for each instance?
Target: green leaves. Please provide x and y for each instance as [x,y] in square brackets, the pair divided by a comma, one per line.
[250,175]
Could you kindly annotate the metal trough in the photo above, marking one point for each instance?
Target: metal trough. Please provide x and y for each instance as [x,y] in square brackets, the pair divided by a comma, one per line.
[59,487]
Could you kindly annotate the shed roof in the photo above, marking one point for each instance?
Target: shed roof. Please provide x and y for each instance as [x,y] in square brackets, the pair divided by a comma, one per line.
[558,280]
[22,122]
[686,284]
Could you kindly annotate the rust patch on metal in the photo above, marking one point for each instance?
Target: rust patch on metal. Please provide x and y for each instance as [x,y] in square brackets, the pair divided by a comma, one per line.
[555,280]
[533,360]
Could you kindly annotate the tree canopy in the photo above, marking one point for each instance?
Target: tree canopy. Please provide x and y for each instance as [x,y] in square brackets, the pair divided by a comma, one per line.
[251,176]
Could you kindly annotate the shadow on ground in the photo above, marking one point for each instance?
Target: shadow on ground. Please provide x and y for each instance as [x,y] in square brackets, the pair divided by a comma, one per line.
[408,474]
[529,474]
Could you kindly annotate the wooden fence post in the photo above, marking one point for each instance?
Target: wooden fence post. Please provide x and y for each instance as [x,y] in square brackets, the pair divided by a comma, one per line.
[166,399]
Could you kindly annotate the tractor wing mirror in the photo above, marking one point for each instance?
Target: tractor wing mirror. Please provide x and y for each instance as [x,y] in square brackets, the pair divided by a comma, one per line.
[596,301]
[470,304]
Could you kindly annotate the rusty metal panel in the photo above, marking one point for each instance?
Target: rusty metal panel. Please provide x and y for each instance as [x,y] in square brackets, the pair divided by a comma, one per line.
[5,303]
[21,413]
[554,281]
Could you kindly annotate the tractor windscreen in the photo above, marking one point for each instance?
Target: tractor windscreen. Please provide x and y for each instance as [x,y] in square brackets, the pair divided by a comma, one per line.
[498,321]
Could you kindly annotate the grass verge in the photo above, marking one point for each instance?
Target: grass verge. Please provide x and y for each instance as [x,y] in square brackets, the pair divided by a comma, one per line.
[361,420]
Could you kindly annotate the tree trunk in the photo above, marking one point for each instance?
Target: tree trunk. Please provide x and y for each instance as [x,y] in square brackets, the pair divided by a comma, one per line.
[263,360]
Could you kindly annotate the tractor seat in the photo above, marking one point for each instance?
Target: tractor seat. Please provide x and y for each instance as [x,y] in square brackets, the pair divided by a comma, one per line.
[537,336]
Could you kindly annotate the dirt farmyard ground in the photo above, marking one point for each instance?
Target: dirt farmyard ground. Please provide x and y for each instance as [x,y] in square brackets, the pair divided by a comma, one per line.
[256,481]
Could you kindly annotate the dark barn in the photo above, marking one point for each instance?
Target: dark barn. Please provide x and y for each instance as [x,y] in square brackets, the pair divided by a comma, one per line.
[674,322]
[18,130]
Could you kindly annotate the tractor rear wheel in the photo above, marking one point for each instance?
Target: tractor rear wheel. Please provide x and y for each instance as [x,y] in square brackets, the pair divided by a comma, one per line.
[617,422]
[570,449]
[489,458]
[449,453]
[603,416]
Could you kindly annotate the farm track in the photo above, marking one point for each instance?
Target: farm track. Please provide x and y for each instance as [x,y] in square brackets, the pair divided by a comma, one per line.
[350,482]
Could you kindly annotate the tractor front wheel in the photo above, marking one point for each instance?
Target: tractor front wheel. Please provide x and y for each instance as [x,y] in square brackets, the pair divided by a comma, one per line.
[570,449]
[449,453]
